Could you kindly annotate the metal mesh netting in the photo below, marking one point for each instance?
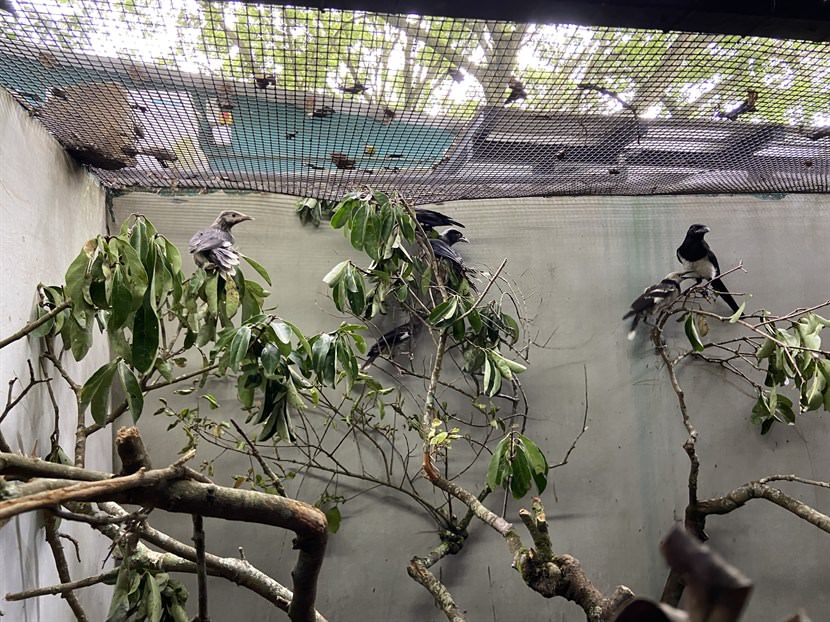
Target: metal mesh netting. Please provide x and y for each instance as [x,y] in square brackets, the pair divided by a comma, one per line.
[186,95]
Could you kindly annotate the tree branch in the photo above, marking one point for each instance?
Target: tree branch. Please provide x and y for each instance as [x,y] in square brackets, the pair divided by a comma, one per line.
[201,568]
[756,490]
[33,325]
[164,489]
[52,537]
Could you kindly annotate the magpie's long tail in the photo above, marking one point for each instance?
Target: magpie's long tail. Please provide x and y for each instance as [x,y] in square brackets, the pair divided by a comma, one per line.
[720,288]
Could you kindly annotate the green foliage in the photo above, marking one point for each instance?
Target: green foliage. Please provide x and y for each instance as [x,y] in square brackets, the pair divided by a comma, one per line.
[793,357]
[144,596]
[517,464]
[278,366]
[314,211]
[129,285]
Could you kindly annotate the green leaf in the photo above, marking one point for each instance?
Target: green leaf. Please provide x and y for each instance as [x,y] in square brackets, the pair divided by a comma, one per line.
[120,604]
[812,395]
[212,293]
[498,468]
[135,397]
[292,395]
[136,276]
[336,273]
[145,336]
[259,269]
[121,301]
[520,474]
[231,298]
[357,226]
[737,315]
[766,349]
[269,358]
[96,391]
[78,278]
[239,347]
[212,401]
[333,518]
[692,334]
[538,463]
[342,214]
[444,311]
[152,599]
[80,336]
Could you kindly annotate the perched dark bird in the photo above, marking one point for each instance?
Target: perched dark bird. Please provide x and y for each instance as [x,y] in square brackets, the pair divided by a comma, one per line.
[700,262]
[388,115]
[456,74]
[322,113]
[442,248]
[342,161]
[748,105]
[654,299]
[391,339]
[6,5]
[430,219]
[517,91]
[213,249]
[263,81]
[355,89]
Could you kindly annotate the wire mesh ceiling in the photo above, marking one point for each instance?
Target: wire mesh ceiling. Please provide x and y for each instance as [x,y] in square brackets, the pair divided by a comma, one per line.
[179,94]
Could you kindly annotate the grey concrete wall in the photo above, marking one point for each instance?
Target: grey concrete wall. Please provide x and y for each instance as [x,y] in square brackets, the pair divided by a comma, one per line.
[49,206]
[579,262]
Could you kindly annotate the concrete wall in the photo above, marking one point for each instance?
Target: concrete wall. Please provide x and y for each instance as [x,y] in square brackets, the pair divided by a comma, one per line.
[579,262]
[49,206]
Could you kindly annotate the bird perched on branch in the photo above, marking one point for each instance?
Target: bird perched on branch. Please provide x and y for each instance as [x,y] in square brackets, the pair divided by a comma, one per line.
[213,248]
[654,299]
[430,219]
[386,344]
[517,91]
[700,262]
[450,260]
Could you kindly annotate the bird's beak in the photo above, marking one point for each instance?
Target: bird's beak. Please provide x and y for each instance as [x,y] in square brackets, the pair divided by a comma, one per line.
[245,217]
[463,239]
[706,229]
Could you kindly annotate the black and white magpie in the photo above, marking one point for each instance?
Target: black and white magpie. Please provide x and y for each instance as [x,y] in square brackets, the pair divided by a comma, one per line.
[430,219]
[213,248]
[654,299]
[700,262]
[391,339]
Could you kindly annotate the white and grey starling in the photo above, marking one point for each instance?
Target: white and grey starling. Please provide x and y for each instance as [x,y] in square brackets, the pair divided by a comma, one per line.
[654,299]
[700,262]
[213,248]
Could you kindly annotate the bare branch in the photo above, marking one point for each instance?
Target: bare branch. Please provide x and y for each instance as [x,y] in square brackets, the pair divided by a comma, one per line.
[418,571]
[33,325]
[756,490]
[50,524]
[265,466]
[201,568]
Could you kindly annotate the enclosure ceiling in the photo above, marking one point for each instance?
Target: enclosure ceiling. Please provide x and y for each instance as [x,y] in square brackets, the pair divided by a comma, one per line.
[178,94]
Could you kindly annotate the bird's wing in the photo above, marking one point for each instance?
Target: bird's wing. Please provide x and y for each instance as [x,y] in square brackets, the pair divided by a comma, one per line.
[209,239]
[442,249]
[712,259]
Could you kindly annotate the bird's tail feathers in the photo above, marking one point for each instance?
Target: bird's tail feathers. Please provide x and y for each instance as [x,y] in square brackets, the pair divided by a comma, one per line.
[720,289]
[634,323]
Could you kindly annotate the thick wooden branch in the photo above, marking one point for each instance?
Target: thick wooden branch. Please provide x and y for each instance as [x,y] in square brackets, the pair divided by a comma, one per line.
[164,489]
[755,490]
[420,573]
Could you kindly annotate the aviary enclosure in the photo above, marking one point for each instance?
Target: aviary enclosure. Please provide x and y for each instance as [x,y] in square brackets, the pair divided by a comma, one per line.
[317,312]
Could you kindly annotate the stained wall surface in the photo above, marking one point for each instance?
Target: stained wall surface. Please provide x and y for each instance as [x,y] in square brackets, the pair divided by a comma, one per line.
[579,263]
[49,206]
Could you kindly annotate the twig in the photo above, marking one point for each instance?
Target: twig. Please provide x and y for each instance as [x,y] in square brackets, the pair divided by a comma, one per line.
[63,587]
[584,429]
[33,325]
[52,537]
[793,478]
[201,568]
[11,403]
[485,290]
[265,467]
[420,573]
[101,519]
